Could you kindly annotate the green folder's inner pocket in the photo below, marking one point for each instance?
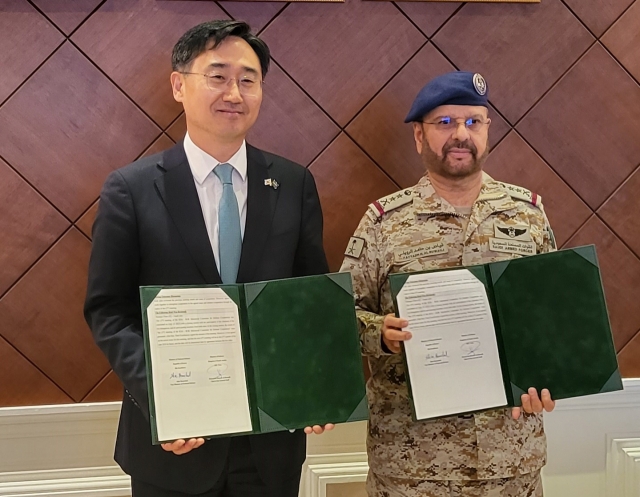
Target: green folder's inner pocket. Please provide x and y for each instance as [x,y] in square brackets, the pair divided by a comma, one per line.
[540,347]
[305,351]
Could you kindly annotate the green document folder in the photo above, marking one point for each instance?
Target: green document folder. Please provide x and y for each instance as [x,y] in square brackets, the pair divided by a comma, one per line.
[301,351]
[551,323]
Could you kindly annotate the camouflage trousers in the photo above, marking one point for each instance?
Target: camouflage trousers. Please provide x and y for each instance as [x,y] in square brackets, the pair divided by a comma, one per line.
[529,485]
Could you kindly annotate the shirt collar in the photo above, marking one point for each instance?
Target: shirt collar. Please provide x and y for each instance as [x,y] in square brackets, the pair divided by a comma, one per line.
[201,163]
[492,192]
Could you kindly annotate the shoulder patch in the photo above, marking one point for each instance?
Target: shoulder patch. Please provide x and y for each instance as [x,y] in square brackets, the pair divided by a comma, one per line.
[521,193]
[390,202]
[355,247]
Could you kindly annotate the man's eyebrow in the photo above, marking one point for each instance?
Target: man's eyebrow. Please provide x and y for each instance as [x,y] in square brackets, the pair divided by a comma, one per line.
[473,116]
[223,65]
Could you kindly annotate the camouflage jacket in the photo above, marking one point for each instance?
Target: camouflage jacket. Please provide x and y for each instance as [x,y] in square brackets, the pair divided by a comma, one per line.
[416,229]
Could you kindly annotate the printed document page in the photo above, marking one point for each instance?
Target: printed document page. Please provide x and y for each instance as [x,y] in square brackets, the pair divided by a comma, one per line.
[199,384]
[452,357]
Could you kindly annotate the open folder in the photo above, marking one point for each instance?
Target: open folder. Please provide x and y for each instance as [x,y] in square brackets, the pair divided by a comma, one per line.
[253,357]
[482,335]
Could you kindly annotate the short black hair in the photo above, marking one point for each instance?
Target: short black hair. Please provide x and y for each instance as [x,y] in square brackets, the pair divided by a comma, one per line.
[199,39]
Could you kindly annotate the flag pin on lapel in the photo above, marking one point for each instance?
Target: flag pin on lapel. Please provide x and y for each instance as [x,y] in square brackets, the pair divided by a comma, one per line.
[272,183]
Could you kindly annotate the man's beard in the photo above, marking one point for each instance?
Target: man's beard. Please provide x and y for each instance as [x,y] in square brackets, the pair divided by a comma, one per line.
[450,168]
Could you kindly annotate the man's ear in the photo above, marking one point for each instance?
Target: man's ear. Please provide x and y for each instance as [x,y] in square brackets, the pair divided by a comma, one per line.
[177,86]
[418,135]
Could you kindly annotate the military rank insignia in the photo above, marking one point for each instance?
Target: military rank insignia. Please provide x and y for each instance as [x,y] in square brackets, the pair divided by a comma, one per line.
[390,202]
[355,247]
[523,194]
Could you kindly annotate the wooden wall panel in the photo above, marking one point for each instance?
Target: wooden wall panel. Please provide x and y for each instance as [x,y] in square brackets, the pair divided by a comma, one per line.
[67,127]
[587,126]
[514,161]
[342,54]
[522,50]
[598,15]
[86,91]
[129,40]
[28,224]
[26,40]
[41,316]
[65,14]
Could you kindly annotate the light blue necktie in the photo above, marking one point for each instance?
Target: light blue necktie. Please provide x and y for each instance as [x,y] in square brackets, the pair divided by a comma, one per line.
[229,236]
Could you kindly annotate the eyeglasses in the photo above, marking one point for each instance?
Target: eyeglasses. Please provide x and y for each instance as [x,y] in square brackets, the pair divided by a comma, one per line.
[446,123]
[248,86]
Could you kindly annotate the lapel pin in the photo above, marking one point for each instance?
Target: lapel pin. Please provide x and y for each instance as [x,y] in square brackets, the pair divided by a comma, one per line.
[272,183]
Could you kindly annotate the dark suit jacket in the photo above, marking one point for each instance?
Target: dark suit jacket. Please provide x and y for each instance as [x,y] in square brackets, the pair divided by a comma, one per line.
[150,231]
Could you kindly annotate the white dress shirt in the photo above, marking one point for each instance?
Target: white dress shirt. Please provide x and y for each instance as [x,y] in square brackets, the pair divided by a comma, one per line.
[209,187]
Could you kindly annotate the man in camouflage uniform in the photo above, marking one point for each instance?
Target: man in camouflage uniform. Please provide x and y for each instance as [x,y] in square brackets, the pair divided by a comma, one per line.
[455,216]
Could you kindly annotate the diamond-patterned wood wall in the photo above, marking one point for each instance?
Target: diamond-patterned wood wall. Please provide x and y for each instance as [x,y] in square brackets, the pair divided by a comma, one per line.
[85,89]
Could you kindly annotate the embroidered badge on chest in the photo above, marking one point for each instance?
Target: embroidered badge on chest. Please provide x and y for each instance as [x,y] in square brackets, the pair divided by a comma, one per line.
[411,267]
[512,246]
[354,247]
[403,255]
[512,231]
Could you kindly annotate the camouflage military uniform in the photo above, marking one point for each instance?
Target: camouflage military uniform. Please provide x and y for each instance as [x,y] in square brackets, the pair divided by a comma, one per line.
[529,485]
[417,229]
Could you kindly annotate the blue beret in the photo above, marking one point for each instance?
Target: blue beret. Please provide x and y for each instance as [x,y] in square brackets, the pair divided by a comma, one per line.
[454,88]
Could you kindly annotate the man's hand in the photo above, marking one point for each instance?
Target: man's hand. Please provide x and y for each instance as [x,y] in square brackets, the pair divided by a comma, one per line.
[317,429]
[181,446]
[392,333]
[532,403]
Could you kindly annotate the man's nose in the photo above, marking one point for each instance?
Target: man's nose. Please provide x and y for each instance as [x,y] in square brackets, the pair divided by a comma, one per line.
[461,133]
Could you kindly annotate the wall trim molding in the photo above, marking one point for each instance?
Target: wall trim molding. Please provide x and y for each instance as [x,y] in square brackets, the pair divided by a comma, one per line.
[67,450]
[107,481]
[326,469]
[9,414]
[623,467]
[629,397]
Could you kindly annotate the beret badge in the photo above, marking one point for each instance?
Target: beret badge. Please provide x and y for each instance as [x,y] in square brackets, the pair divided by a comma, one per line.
[479,84]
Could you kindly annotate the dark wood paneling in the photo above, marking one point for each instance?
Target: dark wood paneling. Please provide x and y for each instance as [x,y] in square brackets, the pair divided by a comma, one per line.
[429,17]
[178,129]
[162,143]
[629,358]
[623,39]
[587,127]
[42,318]
[68,127]
[622,213]
[598,14]
[342,53]
[380,127]
[109,389]
[65,14]
[23,384]
[28,226]
[347,182]
[290,123]
[621,275]
[85,223]
[131,41]
[26,40]
[513,161]
[520,49]
[256,16]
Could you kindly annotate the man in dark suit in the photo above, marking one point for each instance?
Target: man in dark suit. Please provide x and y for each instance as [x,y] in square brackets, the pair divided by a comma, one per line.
[212,209]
